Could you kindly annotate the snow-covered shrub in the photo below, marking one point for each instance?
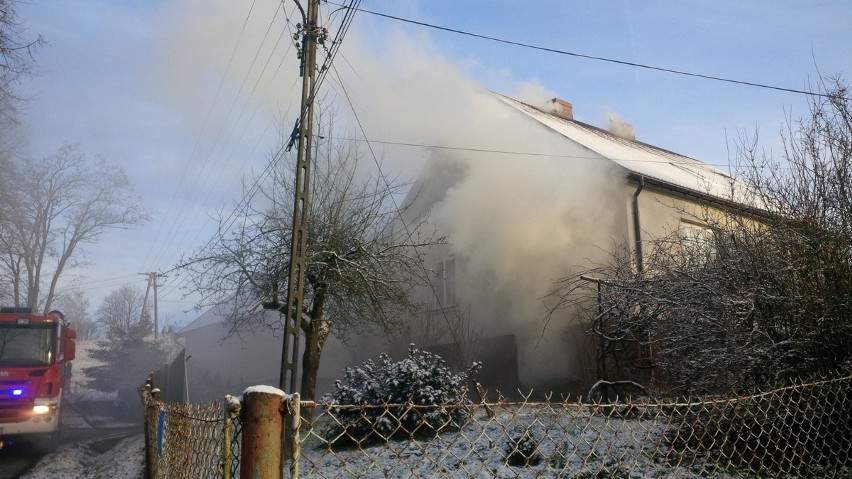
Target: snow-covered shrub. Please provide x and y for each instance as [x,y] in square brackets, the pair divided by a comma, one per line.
[415,396]
[521,449]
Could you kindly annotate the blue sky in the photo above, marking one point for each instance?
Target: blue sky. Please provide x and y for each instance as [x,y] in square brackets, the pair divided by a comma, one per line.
[185,94]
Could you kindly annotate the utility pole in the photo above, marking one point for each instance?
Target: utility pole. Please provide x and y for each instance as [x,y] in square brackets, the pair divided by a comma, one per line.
[156,305]
[152,283]
[310,32]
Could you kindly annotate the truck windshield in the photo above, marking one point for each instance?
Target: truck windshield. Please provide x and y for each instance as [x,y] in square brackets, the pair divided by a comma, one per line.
[27,344]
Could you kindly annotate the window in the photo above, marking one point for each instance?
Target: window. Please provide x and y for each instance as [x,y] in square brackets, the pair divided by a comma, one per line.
[27,345]
[697,243]
[445,284]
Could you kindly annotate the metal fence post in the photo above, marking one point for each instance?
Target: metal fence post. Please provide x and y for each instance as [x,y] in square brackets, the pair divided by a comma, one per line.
[145,396]
[292,446]
[150,412]
[232,411]
[261,455]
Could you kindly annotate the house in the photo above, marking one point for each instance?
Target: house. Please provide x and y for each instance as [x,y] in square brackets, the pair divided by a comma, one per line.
[536,196]
[518,218]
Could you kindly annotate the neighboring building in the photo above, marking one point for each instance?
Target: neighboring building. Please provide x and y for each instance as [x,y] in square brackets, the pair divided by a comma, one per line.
[219,362]
[538,198]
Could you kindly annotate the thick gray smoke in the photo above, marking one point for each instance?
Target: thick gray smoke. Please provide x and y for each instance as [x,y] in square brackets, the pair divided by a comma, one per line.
[524,208]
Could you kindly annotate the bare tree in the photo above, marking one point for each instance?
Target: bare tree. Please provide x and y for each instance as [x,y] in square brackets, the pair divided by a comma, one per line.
[129,351]
[16,61]
[361,262]
[75,307]
[123,315]
[454,328]
[50,208]
[766,301]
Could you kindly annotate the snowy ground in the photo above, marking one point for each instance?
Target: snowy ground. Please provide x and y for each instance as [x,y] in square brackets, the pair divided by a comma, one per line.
[567,445]
[83,460]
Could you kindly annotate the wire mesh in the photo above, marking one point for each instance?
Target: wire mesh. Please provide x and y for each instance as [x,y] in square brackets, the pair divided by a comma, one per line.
[185,440]
[803,430]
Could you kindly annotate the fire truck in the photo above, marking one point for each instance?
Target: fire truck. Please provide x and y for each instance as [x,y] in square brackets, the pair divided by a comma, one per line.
[35,368]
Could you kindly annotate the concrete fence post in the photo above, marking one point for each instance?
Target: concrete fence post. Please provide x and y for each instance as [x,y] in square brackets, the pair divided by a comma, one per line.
[261,453]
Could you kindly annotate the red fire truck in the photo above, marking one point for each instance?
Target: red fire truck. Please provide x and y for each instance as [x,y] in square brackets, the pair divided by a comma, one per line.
[35,368]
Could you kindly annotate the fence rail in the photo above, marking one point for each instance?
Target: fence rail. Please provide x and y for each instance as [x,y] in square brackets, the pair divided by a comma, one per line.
[803,430]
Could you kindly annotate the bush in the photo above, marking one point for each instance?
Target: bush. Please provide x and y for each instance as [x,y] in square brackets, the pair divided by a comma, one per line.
[521,449]
[415,396]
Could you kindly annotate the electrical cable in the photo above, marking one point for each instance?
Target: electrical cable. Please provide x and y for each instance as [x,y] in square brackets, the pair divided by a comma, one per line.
[221,154]
[198,140]
[209,167]
[410,234]
[598,58]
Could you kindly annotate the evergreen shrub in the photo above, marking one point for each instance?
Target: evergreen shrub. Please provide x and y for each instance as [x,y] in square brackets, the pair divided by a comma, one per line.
[416,396]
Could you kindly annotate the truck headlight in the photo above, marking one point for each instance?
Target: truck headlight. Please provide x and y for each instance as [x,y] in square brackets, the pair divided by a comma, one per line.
[41,409]
[44,406]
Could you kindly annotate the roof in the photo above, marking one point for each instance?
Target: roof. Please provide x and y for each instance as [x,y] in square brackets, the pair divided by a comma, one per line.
[641,159]
[208,318]
[218,315]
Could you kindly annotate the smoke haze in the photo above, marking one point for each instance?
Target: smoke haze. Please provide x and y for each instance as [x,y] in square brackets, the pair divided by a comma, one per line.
[516,222]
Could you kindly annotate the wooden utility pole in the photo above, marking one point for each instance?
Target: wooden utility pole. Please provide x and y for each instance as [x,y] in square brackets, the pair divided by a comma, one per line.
[152,283]
[156,307]
[295,285]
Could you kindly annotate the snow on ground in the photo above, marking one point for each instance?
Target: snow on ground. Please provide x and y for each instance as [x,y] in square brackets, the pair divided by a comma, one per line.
[87,459]
[81,461]
[567,445]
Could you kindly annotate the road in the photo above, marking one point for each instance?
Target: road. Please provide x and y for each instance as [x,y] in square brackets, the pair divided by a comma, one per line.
[18,457]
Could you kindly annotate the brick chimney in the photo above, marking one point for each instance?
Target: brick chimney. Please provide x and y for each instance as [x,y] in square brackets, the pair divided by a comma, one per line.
[561,108]
[621,128]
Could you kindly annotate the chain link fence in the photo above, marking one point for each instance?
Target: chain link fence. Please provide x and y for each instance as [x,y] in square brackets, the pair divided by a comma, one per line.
[190,440]
[803,431]
[798,431]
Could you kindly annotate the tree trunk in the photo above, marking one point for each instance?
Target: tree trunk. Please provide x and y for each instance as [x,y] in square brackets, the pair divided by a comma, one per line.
[316,333]
[314,343]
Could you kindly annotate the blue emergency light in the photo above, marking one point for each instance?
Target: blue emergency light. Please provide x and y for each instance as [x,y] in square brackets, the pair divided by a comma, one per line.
[17,392]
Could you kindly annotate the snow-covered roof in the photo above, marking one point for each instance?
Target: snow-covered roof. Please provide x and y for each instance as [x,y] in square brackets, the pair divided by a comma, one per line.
[642,159]
[208,318]
[217,315]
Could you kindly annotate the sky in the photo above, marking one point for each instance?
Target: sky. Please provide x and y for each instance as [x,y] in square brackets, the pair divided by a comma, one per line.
[188,96]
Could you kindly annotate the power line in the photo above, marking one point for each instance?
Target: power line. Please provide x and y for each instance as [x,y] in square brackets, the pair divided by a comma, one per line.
[516,152]
[219,168]
[183,223]
[255,187]
[106,283]
[405,225]
[598,58]
[194,149]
